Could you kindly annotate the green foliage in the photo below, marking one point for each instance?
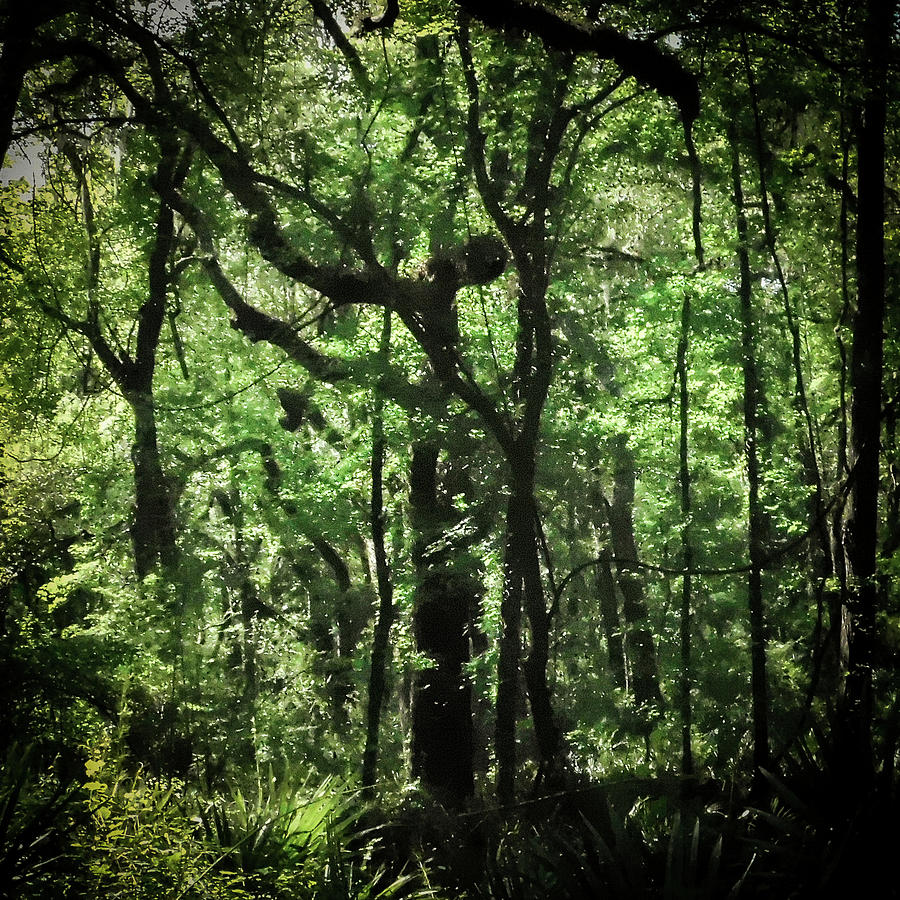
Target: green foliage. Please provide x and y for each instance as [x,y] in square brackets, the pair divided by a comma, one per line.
[34,807]
[300,841]
[251,653]
[140,840]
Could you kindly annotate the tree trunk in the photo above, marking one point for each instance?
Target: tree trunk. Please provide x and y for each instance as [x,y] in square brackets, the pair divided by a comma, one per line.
[687,552]
[640,647]
[445,603]
[546,731]
[508,658]
[21,22]
[860,534]
[153,529]
[239,586]
[756,527]
[609,615]
[381,647]
[442,741]
[522,587]
[819,551]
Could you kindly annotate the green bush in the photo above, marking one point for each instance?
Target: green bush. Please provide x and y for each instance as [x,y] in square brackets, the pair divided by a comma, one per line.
[140,842]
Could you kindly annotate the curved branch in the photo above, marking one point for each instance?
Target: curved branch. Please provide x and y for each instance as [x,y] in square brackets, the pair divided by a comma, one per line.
[641,59]
[326,17]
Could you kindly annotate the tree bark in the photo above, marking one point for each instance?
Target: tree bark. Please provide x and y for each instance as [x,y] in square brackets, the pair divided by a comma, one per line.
[522,588]
[445,604]
[381,647]
[687,551]
[755,525]
[153,529]
[239,586]
[860,532]
[819,550]
[640,648]
[609,615]
[508,658]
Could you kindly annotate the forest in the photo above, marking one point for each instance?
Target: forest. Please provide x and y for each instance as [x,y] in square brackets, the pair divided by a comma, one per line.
[449,449]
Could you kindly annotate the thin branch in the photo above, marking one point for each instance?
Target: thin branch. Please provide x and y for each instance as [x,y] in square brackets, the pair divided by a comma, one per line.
[358,70]
[641,59]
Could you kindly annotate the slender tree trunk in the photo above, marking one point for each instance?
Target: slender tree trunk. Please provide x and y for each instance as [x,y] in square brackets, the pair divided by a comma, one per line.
[546,731]
[508,655]
[860,534]
[835,659]
[522,588]
[819,550]
[640,647]
[756,528]
[687,552]
[381,648]
[153,528]
[241,602]
[609,615]
[522,576]
[891,541]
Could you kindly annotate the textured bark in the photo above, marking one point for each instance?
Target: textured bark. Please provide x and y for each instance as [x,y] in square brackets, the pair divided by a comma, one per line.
[381,642]
[153,529]
[640,647]
[755,524]
[508,661]
[609,614]
[860,534]
[687,551]
[241,602]
[446,606]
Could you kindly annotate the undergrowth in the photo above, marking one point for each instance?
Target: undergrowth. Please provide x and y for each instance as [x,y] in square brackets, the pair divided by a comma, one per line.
[119,832]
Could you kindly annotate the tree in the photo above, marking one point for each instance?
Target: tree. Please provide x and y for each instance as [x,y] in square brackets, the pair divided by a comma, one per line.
[860,534]
[494,383]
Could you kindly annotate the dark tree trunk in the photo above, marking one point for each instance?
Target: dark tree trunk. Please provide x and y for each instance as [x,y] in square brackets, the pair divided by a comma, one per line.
[756,526]
[687,552]
[546,731]
[349,625]
[819,551]
[381,644]
[640,648]
[442,743]
[522,588]
[508,660]
[834,651]
[522,575]
[241,602]
[19,24]
[153,529]
[609,614]
[860,533]
[891,541]
[445,603]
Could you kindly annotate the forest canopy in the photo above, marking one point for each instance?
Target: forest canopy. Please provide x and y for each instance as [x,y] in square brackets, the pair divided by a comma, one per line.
[448,449]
